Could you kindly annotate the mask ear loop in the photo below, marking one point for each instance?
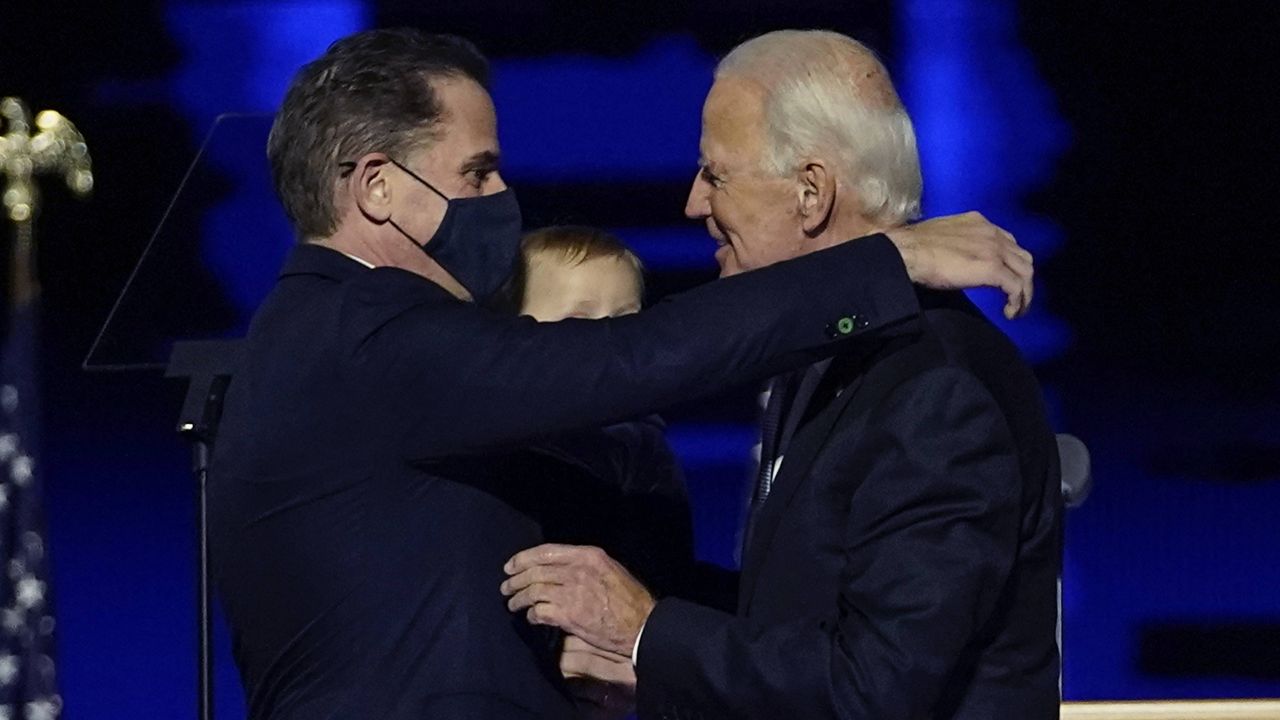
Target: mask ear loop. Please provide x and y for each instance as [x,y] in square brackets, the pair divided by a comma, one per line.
[349,166]
[415,176]
[432,188]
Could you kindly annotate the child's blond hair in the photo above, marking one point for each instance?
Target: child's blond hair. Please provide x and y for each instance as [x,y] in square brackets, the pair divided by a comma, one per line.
[572,245]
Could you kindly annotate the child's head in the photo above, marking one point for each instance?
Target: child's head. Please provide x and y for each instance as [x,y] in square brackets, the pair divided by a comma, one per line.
[580,272]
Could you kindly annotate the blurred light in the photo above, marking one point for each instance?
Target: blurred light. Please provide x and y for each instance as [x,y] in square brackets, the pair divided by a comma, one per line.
[671,248]
[988,134]
[239,58]
[703,444]
[586,117]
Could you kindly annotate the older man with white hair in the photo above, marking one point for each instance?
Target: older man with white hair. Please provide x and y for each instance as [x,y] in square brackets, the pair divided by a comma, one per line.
[902,551]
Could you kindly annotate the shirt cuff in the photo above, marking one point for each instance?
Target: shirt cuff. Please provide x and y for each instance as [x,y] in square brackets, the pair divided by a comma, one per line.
[635,649]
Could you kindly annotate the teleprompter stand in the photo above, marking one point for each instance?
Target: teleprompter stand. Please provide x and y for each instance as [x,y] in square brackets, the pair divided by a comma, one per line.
[207,366]
[212,258]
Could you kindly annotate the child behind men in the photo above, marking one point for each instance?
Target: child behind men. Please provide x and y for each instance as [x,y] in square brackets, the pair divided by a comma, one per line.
[581,272]
[569,271]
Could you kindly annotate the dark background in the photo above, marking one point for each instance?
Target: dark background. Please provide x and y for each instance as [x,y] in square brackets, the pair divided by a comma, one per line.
[1130,145]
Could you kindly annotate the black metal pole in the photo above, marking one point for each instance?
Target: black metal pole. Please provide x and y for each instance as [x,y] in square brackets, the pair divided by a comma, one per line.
[207,366]
[204,662]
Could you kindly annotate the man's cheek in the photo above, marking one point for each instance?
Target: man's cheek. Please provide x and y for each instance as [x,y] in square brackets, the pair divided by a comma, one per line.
[727,260]
[745,257]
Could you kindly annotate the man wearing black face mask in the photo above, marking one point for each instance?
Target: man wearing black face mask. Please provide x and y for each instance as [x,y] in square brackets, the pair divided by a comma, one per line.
[360,513]
[480,267]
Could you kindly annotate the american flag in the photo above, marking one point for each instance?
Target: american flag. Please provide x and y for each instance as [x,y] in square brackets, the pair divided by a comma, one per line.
[28,678]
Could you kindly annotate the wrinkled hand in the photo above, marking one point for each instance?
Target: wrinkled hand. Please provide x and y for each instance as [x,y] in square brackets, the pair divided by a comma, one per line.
[602,684]
[581,659]
[966,251]
[580,590]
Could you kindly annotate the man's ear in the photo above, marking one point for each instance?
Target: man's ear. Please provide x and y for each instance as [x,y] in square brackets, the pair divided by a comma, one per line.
[370,187]
[817,196]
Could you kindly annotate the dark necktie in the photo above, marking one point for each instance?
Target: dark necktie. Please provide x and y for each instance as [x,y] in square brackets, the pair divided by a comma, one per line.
[792,408]
[781,392]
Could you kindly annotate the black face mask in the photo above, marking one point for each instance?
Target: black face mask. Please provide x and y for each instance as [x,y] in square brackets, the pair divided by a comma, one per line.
[478,241]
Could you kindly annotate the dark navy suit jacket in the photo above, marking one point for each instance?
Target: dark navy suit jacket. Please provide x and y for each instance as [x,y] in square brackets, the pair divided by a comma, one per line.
[905,563]
[622,490]
[358,535]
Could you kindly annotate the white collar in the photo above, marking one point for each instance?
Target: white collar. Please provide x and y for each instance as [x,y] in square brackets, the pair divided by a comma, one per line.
[362,261]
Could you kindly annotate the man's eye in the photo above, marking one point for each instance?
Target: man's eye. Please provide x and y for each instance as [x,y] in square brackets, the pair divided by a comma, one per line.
[710,177]
[479,175]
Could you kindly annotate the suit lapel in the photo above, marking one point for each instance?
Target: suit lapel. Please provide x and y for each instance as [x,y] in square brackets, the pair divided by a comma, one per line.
[866,375]
[809,383]
[793,391]
[806,443]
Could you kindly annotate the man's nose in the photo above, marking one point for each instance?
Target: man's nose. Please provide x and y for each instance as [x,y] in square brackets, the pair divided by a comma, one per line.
[698,205]
[497,183]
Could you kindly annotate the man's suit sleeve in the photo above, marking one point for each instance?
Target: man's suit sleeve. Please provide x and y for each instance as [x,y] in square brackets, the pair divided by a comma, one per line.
[462,379]
[930,541]
[711,585]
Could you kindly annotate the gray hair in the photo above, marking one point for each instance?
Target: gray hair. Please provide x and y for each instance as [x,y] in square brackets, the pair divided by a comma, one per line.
[816,104]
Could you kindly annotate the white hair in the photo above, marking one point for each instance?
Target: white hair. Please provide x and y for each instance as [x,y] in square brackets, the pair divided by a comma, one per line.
[816,104]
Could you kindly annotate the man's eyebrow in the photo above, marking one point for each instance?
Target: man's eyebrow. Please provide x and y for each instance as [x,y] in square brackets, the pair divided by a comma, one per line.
[484,160]
[708,165]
